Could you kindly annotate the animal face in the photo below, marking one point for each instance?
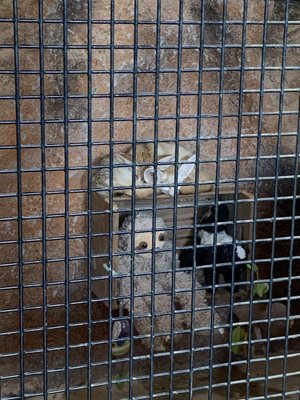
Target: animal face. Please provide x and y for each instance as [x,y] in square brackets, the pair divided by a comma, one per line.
[209,218]
[143,242]
[166,173]
[143,234]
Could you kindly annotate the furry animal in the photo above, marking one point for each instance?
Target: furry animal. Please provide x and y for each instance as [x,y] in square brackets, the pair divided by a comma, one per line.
[225,249]
[144,279]
[165,170]
[122,176]
[186,174]
[145,152]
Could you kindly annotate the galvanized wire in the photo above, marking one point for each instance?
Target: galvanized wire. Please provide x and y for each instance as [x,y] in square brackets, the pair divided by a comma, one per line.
[90,365]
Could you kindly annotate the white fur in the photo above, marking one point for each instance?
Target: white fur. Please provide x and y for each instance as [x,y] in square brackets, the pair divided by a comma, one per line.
[222,238]
[208,238]
[122,175]
[166,173]
[162,175]
[241,253]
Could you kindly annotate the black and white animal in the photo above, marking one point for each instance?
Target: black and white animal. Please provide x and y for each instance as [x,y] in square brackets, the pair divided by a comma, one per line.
[224,248]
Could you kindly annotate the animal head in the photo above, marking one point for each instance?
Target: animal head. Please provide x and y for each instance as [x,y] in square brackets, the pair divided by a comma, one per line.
[143,233]
[165,173]
[209,218]
[125,172]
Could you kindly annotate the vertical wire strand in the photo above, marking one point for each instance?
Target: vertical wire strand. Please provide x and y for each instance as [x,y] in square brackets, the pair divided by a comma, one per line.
[110,201]
[277,166]
[67,213]
[19,184]
[196,194]
[217,188]
[289,282]
[154,194]
[292,245]
[236,189]
[44,210]
[295,197]
[175,200]
[133,198]
[44,217]
[256,187]
[89,209]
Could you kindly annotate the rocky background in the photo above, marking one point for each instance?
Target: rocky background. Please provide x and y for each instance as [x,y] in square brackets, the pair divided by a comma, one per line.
[66,73]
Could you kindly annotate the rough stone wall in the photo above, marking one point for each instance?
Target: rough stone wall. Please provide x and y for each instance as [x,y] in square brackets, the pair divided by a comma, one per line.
[77,59]
[123,84]
[30,113]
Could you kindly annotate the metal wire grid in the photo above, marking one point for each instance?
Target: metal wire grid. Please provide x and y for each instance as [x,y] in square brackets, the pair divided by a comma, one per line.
[87,386]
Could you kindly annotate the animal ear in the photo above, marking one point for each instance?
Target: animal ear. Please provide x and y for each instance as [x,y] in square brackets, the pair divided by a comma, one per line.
[186,169]
[149,173]
[121,159]
[163,167]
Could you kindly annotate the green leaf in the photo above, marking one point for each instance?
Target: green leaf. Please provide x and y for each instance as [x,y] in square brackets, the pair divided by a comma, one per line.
[238,335]
[121,383]
[254,266]
[260,289]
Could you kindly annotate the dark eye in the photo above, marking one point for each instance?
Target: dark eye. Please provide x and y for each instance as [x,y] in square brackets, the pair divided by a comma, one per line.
[143,245]
[161,237]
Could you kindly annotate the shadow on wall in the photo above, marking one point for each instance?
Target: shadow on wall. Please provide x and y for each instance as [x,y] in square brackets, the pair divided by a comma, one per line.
[288,183]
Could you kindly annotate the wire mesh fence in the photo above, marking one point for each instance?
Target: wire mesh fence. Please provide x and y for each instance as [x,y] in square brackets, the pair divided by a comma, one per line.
[149,199]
